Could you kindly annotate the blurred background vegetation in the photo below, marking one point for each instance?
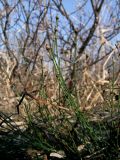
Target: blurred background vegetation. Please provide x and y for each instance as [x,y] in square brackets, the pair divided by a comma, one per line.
[59,79]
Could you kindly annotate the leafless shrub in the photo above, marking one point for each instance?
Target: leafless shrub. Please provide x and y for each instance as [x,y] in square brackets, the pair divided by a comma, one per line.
[85,50]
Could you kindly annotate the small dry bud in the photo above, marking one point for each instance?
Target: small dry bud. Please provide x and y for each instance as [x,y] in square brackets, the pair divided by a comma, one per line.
[62,51]
[57,18]
[48,47]
[56,30]
[76,30]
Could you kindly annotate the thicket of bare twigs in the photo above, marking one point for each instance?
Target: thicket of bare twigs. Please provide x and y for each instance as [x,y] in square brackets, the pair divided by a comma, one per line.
[59,78]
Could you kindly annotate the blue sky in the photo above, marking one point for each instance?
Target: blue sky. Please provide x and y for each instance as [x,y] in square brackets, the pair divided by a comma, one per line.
[69,5]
